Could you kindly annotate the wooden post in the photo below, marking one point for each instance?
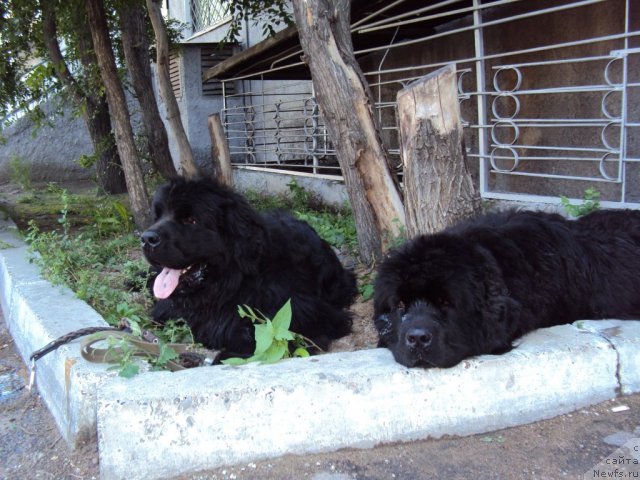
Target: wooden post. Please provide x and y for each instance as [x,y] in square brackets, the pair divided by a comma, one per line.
[438,189]
[220,150]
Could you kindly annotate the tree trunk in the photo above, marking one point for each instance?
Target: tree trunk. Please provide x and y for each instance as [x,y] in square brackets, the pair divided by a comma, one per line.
[220,150]
[136,53]
[188,166]
[347,109]
[119,113]
[438,187]
[108,165]
[94,107]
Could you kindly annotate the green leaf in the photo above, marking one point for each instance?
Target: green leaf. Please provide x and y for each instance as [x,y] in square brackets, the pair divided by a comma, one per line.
[135,327]
[166,354]
[282,319]
[264,337]
[235,361]
[275,352]
[129,370]
[366,291]
[285,335]
[300,352]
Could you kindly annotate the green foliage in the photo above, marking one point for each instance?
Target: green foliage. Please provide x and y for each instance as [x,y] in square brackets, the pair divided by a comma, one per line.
[20,172]
[272,337]
[112,217]
[365,287]
[92,262]
[123,353]
[336,226]
[100,262]
[270,13]
[176,331]
[591,202]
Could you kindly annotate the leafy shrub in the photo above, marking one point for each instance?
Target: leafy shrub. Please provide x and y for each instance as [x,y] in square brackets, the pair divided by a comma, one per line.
[272,337]
[591,203]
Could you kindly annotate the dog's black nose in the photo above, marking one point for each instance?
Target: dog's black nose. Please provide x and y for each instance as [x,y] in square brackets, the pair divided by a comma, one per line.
[151,238]
[418,338]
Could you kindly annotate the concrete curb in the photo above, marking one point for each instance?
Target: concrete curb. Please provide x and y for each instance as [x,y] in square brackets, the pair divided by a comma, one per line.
[36,313]
[160,424]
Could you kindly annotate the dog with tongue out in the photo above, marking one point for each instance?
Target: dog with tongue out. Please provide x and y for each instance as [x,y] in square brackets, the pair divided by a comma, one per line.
[211,252]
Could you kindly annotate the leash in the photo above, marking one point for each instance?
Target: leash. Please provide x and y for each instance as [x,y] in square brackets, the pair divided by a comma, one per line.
[147,346]
[58,342]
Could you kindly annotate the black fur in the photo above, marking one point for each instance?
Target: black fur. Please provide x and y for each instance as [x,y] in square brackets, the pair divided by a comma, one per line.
[241,257]
[476,287]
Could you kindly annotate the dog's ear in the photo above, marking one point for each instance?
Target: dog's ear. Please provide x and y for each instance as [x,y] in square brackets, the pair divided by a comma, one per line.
[499,310]
[247,236]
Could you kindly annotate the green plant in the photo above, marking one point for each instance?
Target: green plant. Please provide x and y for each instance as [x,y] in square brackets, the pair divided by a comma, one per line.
[591,202]
[20,172]
[111,217]
[272,337]
[123,354]
[365,287]
[93,269]
[302,199]
[176,331]
[336,226]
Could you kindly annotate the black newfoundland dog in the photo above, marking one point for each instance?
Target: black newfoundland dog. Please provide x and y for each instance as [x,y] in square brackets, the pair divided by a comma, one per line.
[474,288]
[214,252]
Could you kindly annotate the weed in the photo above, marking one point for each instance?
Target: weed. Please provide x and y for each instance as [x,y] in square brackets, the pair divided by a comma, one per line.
[123,353]
[302,199]
[365,287]
[272,337]
[591,202]
[336,226]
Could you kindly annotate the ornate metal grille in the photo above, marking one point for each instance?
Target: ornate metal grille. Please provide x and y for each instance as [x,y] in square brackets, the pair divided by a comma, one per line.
[549,94]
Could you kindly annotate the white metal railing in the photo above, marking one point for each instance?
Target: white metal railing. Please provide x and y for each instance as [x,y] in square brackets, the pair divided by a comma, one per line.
[542,119]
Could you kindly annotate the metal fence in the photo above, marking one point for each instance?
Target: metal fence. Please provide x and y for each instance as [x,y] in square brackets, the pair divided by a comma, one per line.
[549,94]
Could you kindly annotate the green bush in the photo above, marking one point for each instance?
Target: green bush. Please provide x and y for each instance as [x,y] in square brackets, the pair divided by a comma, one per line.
[591,203]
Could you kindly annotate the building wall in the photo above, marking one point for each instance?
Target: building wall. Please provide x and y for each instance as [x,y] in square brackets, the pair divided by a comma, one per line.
[50,153]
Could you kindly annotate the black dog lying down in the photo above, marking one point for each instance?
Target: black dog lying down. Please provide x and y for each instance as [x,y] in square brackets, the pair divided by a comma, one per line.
[476,287]
[214,252]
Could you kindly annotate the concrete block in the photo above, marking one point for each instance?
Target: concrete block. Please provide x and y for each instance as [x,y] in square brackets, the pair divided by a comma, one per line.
[36,313]
[213,416]
[15,269]
[624,336]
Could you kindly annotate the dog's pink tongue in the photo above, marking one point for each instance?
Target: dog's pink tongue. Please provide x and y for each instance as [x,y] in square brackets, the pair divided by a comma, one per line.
[166,282]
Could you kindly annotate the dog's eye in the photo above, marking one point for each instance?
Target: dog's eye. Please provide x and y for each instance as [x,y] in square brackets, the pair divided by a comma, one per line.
[189,221]
[442,302]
